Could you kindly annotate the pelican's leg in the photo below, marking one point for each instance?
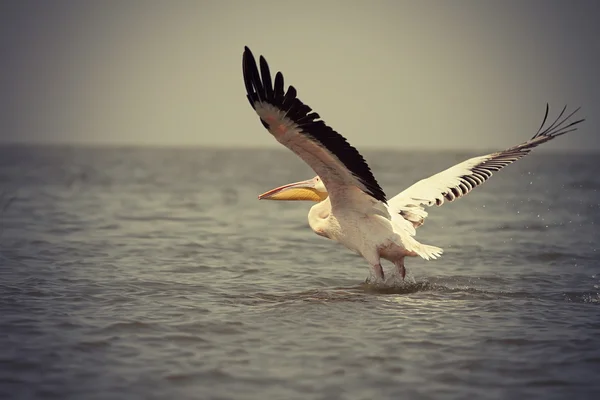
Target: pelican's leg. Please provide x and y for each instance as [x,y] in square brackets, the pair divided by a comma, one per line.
[399,263]
[378,269]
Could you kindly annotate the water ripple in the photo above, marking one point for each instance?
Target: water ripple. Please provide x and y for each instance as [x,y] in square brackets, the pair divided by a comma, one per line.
[156,273]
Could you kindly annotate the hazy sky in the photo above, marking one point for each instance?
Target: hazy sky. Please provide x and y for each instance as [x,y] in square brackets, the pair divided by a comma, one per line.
[387,74]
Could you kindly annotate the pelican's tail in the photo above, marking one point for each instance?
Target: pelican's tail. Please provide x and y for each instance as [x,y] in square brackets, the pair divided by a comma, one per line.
[428,252]
[404,236]
[411,244]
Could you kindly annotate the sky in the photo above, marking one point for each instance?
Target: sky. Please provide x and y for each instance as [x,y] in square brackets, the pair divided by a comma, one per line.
[385,74]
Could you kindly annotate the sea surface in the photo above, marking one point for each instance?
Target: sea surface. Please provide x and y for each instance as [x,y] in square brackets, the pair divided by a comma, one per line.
[155,273]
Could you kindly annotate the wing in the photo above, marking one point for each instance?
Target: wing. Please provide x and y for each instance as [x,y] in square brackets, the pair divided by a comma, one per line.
[459,180]
[341,167]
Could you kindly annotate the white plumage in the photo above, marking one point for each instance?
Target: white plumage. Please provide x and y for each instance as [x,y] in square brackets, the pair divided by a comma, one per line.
[351,206]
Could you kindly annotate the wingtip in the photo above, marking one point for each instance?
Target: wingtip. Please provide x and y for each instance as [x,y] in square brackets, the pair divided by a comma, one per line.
[557,127]
[247,53]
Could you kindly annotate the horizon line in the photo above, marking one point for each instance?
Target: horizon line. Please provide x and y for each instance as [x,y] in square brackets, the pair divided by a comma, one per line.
[197,146]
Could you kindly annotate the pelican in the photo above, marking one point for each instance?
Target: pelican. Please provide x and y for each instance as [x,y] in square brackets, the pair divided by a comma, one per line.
[351,208]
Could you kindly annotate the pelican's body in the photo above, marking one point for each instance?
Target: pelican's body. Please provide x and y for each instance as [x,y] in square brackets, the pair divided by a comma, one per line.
[351,206]
[362,230]
[361,223]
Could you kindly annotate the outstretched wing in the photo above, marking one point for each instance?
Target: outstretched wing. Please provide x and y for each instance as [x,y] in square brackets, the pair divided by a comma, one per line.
[459,180]
[341,167]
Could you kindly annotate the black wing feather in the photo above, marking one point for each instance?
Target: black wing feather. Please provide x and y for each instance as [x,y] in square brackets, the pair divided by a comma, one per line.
[261,90]
[482,172]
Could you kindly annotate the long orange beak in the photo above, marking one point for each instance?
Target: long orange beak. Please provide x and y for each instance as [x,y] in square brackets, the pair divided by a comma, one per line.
[304,190]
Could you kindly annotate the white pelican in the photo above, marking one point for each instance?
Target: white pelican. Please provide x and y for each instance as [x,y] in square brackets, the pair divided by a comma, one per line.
[351,206]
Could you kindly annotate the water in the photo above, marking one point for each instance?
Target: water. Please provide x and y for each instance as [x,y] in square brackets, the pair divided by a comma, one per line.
[156,273]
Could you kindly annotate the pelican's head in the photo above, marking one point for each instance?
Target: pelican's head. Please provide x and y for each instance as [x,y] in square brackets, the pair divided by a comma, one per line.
[312,189]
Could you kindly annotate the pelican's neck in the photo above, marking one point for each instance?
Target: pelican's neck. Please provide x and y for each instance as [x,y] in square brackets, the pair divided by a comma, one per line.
[318,217]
